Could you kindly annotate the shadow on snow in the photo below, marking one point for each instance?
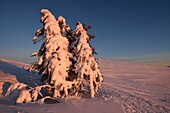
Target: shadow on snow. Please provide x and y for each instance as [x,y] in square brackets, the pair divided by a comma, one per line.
[21,75]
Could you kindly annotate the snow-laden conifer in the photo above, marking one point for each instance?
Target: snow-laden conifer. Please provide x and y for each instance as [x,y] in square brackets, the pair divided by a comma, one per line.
[87,66]
[54,57]
[65,62]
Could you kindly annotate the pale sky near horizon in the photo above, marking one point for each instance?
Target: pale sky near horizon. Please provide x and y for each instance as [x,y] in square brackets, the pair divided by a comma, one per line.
[135,30]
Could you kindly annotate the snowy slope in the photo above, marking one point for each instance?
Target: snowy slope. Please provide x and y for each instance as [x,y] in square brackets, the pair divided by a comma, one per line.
[137,87]
[12,72]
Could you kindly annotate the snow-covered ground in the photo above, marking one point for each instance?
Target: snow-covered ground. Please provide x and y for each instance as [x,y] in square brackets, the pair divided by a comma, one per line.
[127,87]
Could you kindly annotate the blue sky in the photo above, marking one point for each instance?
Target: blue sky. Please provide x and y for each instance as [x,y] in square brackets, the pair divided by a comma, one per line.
[134,30]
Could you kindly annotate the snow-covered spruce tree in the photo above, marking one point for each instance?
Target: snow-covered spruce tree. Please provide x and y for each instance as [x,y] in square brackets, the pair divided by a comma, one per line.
[86,67]
[54,58]
[66,64]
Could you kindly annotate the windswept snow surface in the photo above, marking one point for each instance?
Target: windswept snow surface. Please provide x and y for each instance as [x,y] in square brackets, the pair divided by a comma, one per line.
[127,87]
[13,72]
[140,88]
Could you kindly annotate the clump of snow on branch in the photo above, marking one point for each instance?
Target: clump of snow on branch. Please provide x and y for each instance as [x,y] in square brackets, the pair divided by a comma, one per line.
[65,62]
[15,88]
[26,93]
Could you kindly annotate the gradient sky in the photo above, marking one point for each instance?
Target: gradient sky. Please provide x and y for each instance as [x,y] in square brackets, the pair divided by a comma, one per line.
[136,30]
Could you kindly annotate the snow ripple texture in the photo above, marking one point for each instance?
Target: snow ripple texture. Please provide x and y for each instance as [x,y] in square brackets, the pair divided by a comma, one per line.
[140,88]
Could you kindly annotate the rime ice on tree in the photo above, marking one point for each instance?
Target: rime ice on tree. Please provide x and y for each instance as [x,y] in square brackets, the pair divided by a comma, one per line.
[65,61]
[86,66]
[54,58]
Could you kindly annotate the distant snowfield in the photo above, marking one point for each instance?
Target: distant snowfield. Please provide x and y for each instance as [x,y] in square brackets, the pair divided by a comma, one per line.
[127,87]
